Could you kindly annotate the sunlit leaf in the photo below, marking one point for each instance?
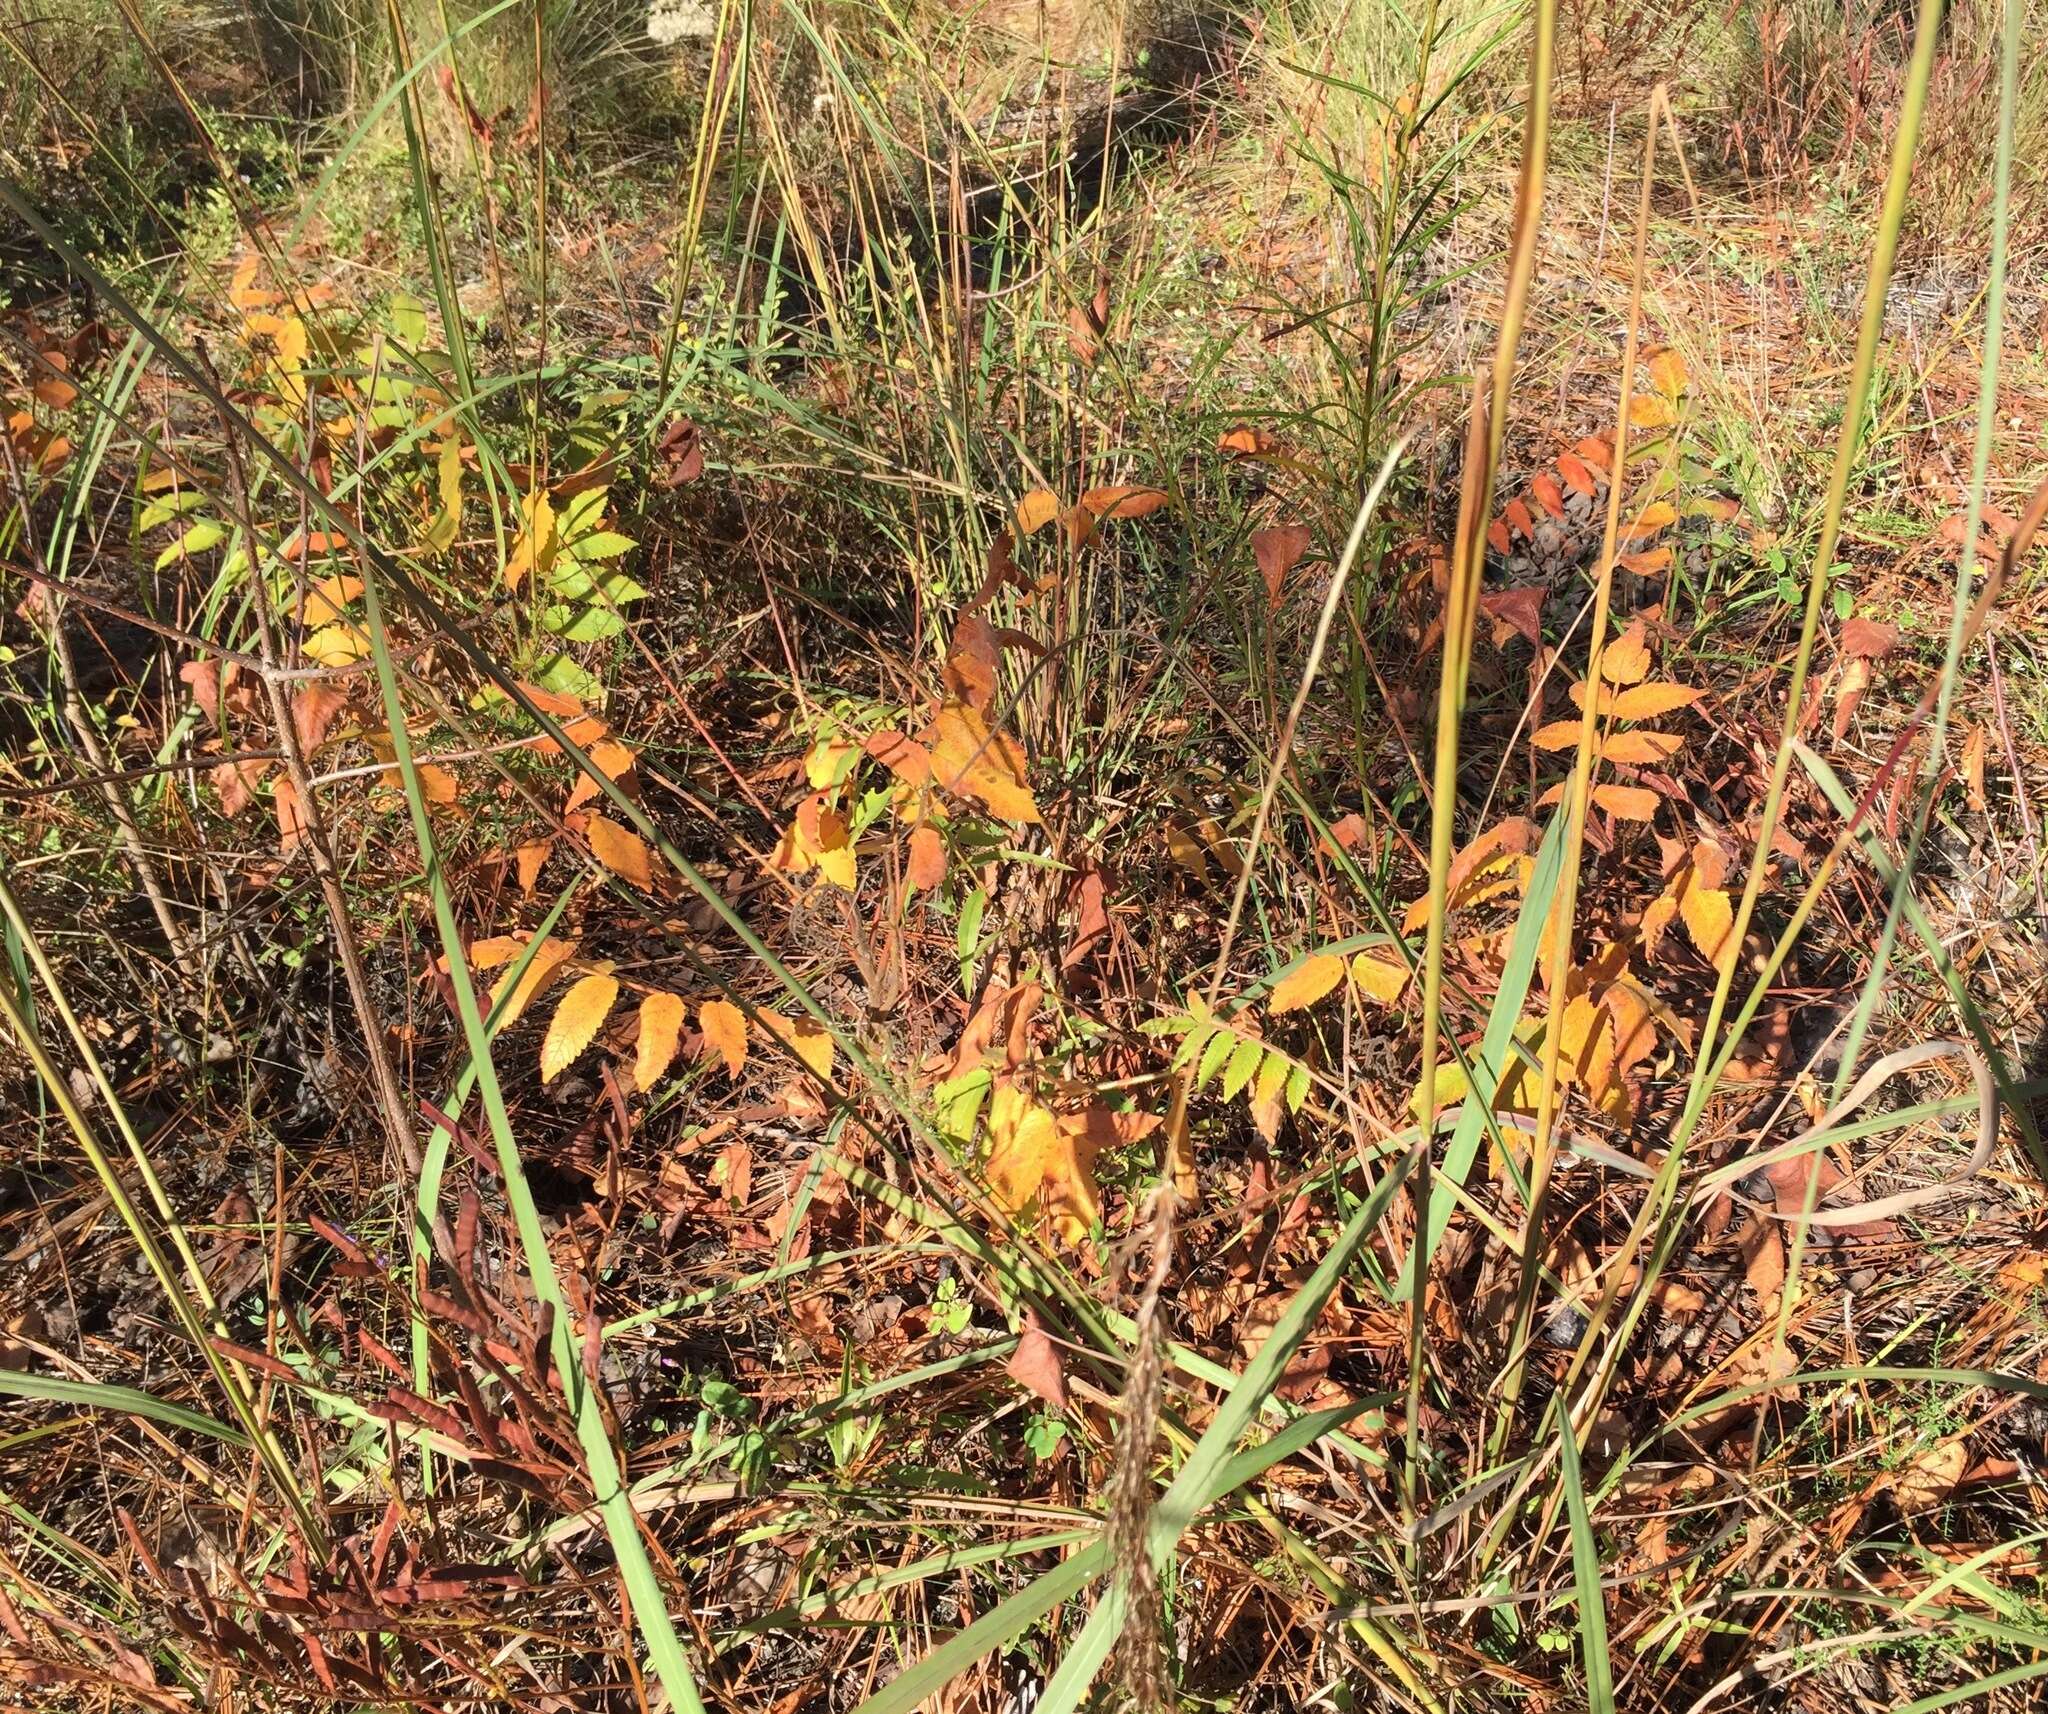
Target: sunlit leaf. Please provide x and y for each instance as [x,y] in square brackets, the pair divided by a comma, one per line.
[620,850]
[1626,660]
[577,1019]
[970,759]
[724,1027]
[1628,803]
[805,1037]
[1306,983]
[1037,509]
[661,1030]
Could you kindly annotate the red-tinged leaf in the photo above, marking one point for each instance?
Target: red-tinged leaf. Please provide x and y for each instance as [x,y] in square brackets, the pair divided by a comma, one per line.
[1495,862]
[1518,518]
[1278,551]
[1548,495]
[315,708]
[1515,612]
[291,816]
[1084,336]
[970,670]
[1868,638]
[904,757]
[680,453]
[233,780]
[1627,803]
[927,865]
[1577,475]
[1035,1364]
[1497,535]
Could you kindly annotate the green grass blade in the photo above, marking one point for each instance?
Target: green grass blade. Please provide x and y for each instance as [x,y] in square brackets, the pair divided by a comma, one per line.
[120,1401]
[1586,1576]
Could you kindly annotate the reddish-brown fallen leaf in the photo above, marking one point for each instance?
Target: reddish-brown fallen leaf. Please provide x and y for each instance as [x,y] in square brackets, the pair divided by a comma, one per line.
[1035,1364]
[970,670]
[1868,638]
[927,865]
[1497,536]
[1515,612]
[291,816]
[1278,551]
[681,454]
[315,709]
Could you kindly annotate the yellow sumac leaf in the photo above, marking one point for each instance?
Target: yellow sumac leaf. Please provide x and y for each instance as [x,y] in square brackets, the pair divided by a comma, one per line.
[826,760]
[1709,917]
[1657,917]
[490,952]
[437,784]
[1641,749]
[534,547]
[1306,983]
[1635,1036]
[969,759]
[1033,1159]
[1036,510]
[1648,411]
[620,850]
[1653,517]
[1629,803]
[661,1029]
[1558,735]
[805,1037]
[1586,1046]
[1626,660]
[577,1019]
[1668,373]
[1380,976]
[725,1030]
[337,645]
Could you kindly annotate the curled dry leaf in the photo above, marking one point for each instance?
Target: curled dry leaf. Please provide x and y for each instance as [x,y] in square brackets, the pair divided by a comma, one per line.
[1931,1477]
[971,663]
[1515,613]
[724,1027]
[1306,983]
[661,1030]
[576,1021]
[1494,863]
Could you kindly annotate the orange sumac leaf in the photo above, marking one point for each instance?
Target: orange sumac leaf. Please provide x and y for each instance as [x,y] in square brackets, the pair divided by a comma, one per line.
[547,959]
[1497,535]
[805,1037]
[1709,917]
[1548,495]
[661,1029]
[1577,476]
[1653,517]
[1518,518]
[620,850]
[1306,983]
[528,861]
[1627,803]
[1595,450]
[1558,735]
[1641,749]
[1641,701]
[1626,660]
[1037,509]
[725,1030]
[577,1019]
[1128,500]
[904,757]
[970,759]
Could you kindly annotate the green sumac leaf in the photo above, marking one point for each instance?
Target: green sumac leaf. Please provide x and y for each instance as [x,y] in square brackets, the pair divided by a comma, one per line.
[583,624]
[1244,1060]
[207,533]
[408,320]
[601,544]
[1297,1088]
[1213,1056]
[570,678]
